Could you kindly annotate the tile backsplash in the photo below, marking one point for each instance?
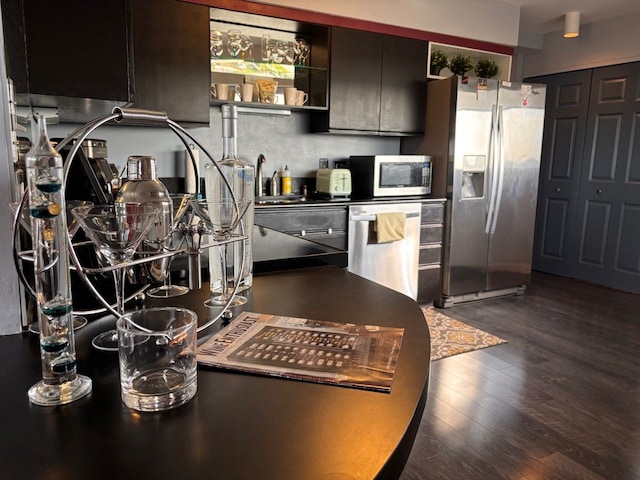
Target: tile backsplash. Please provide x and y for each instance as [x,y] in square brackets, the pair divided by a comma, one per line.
[283,140]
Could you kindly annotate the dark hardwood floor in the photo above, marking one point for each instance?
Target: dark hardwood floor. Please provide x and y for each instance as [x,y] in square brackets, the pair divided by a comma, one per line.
[560,400]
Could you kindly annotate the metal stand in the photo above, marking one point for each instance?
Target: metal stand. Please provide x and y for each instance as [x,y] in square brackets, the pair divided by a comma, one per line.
[124,116]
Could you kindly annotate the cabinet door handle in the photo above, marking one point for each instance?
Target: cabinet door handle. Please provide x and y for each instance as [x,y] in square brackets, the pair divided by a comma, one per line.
[558,190]
[599,192]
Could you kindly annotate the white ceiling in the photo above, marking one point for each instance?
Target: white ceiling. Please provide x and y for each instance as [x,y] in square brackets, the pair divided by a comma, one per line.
[544,16]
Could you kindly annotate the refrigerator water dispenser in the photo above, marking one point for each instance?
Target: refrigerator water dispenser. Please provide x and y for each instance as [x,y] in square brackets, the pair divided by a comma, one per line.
[473,168]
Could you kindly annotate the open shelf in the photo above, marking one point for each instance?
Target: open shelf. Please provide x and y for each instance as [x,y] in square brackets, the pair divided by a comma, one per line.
[308,73]
[503,61]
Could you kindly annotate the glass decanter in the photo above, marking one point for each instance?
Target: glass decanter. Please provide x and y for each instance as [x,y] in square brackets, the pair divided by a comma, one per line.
[240,178]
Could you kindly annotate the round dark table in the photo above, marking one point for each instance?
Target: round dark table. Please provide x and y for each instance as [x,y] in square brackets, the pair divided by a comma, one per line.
[239,426]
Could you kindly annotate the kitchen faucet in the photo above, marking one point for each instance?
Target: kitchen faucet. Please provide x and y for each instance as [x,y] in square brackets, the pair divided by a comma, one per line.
[259,185]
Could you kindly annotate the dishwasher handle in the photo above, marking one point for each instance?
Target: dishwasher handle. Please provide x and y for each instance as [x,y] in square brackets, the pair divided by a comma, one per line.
[372,218]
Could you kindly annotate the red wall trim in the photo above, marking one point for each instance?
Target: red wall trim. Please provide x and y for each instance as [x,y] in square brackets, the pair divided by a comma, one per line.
[334,20]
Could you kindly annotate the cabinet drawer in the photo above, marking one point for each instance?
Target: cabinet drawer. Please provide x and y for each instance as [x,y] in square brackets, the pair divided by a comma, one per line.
[430,254]
[336,239]
[430,234]
[428,284]
[308,219]
[432,213]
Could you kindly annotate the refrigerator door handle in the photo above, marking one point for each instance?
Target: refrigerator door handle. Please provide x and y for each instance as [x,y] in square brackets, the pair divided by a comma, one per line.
[500,171]
[493,178]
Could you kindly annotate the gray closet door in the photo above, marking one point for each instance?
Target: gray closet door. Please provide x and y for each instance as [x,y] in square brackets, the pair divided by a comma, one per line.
[607,242]
[562,151]
[588,217]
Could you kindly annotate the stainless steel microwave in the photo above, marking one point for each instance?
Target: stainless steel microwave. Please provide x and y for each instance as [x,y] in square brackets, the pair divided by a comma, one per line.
[390,175]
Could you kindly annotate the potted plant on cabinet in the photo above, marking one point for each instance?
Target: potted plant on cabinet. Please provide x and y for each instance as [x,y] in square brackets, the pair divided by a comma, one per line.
[460,64]
[486,68]
[439,60]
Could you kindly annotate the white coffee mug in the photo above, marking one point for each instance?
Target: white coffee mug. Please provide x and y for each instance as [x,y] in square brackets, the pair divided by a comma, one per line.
[234,90]
[290,95]
[220,91]
[301,97]
[246,92]
[224,91]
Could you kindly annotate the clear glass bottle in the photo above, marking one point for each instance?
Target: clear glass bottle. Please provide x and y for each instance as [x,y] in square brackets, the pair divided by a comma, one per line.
[143,186]
[241,177]
[60,382]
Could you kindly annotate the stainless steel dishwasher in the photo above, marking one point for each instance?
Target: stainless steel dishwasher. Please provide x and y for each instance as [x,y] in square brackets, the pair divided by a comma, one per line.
[394,264]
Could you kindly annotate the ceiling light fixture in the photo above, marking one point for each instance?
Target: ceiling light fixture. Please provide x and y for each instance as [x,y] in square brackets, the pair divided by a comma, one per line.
[571,24]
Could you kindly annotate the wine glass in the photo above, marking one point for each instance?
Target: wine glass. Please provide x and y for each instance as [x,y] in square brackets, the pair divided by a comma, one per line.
[303,50]
[116,231]
[290,53]
[180,204]
[246,45]
[278,52]
[233,42]
[220,218]
[216,46]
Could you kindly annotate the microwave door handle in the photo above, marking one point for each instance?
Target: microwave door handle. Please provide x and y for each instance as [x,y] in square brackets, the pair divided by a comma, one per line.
[493,177]
[500,155]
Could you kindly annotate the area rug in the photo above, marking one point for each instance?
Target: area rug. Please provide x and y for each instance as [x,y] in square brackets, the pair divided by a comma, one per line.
[451,337]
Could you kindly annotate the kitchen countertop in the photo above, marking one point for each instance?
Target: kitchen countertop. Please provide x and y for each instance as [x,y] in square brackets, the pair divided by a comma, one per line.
[238,426]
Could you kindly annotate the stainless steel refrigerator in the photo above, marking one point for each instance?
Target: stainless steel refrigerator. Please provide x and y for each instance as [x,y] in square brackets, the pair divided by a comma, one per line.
[485,138]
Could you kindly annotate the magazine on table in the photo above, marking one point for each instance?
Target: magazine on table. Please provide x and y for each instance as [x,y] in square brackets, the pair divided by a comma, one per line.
[350,355]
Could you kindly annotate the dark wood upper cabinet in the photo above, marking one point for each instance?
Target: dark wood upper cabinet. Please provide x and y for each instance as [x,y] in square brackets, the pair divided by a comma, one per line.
[150,55]
[354,89]
[404,85]
[377,84]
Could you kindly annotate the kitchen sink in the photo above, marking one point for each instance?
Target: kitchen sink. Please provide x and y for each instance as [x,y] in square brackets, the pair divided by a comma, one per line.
[278,199]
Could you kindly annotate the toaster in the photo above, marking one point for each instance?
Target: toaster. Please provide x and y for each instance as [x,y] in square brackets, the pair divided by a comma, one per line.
[334,182]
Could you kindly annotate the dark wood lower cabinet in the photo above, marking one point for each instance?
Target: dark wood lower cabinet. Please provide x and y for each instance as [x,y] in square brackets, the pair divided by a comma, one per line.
[328,224]
[430,253]
[323,224]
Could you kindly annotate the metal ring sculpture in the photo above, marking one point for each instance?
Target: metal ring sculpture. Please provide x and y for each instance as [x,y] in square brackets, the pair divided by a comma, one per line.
[123,116]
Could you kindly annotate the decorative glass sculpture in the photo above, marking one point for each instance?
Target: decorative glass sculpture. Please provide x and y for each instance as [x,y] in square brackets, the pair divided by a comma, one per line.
[60,382]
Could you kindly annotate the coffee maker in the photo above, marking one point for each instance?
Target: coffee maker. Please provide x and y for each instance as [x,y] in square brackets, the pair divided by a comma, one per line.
[91,176]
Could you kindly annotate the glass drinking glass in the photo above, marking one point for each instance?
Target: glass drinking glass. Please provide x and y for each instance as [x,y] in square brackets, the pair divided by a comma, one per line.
[157,358]
[116,232]
[180,205]
[265,51]
[220,218]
